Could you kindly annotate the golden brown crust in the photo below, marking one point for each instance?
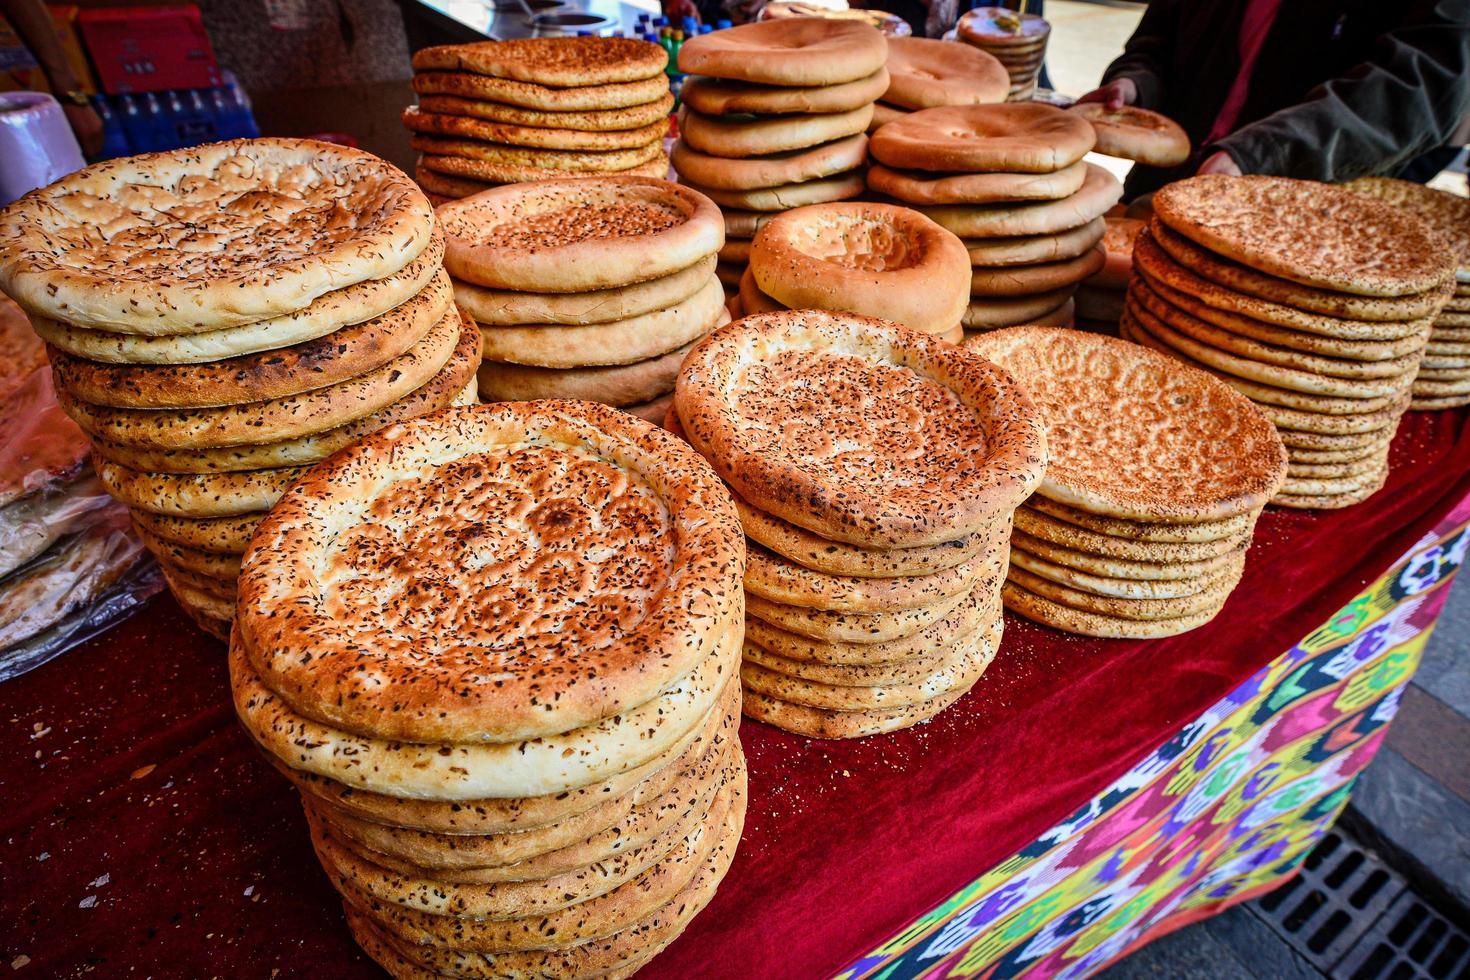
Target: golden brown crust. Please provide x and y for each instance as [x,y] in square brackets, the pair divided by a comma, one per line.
[512,307]
[823,190]
[327,313]
[825,457]
[561,62]
[569,161]
[490,174]
[1028,280]
[1311,233]
[330,535]
[928,72]
[875,260]
[593,120]
[578,235]
[199,239]
[1028,249]
[278,419]
[1446,214]
[1135,435]
[620,385]
[339,356]
[1100,191]
[1131,133]
[421,121]
[742,137]
[529,95]
[987,188]
[453,385]
[805,51]
[759,172]
[1232,275]
[998,27]
[718,96]
[1011,137]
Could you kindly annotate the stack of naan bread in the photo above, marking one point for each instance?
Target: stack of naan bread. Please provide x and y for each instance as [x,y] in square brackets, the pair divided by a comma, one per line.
[774,118]
[1444,373]
[1312,301]
[590,289]
[924,73]
[497,652]
[1157,473]
[1010,181]
[876,260]
[875,470]
[1017,40]
[221,317]
[499,112]
[1100,297]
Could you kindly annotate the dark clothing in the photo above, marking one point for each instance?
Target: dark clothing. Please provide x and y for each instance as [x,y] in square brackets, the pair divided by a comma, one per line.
[1340,89]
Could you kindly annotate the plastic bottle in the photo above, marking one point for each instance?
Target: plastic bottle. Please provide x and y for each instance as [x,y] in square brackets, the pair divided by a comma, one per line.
[114,137]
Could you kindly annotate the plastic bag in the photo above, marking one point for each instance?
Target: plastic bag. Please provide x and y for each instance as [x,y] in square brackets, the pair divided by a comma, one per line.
[70,563]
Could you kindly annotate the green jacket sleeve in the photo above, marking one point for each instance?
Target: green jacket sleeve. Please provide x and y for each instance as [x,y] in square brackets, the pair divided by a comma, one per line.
[1408,100]
[1143,56]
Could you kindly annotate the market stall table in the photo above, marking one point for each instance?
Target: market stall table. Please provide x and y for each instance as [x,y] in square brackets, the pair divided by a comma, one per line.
[1087,795]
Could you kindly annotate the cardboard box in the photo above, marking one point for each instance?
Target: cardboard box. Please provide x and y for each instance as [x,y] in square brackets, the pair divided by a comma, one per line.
[18,68]
[149,49]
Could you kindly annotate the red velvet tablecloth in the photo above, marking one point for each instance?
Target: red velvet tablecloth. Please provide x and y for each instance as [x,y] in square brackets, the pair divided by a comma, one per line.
[141,834]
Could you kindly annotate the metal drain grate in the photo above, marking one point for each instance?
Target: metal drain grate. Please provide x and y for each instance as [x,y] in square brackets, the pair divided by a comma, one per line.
[1351,916]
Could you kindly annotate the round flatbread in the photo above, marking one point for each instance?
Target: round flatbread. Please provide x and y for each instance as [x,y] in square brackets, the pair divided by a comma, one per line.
[1135,435]
[1030,249]
[872,259]
[574,161]
[1145,297]
[1232,275]
[745,137]
[824,190]
[453,385]
[529,95]
[805,51]
[721,97]
[197,240]
[1144,610]
[1068,535]
[776,579]
[339,356]
[510,307]
[1145,286]
[986,188]
[630,117]
[988,313]
[1028,280]
[1070,620]
[1163,533]
[977,453]
[927,72]
[620,385]
[835,558]
[618,342]
[757,173]
[329,312]
[1131,133]
[1308,232]
[492,174]
[570,236]
[1448,215]
[420,121]
[1156,265]
[1100,191]
[560,61]
[278,419]
[1011,137]
[670,511]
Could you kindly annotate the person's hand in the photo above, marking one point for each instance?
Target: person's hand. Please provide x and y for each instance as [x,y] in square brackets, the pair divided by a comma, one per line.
[1220,162]
[1115,95]
[87,126]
